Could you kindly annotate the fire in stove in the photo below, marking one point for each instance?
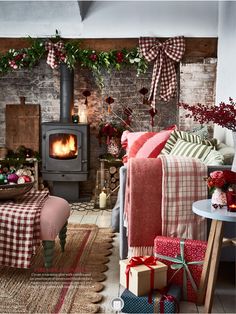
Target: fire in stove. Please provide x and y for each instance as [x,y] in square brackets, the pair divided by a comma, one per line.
[63,146]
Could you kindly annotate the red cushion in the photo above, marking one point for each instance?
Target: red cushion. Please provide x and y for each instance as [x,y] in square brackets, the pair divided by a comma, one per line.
[144,144]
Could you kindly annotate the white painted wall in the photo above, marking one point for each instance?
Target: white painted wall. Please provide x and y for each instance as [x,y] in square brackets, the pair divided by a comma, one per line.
[226,69]
[109,19]
[39,18]
[119,19]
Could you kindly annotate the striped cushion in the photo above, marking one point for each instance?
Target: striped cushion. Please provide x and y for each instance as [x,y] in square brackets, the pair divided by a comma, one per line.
[144,144]
[188,137]
[214,158]
[187,149]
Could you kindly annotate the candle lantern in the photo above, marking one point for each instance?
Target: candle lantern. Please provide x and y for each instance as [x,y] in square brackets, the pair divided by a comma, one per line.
[75,118]
[231,201]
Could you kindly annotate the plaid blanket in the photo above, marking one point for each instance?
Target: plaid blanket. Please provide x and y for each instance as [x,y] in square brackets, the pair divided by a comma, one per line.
[20,229]
[182,184]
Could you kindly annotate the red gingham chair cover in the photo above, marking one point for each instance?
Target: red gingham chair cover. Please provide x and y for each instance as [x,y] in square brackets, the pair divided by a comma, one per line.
[165,55]
[20,229]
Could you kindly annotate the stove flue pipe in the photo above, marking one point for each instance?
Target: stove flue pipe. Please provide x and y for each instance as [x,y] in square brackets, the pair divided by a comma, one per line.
[66,93]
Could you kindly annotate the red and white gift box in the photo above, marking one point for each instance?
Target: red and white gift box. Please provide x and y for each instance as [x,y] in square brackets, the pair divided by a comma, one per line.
[184,259]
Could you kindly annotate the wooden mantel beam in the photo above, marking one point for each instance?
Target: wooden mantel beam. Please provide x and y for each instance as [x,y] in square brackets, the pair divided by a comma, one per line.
[195,47]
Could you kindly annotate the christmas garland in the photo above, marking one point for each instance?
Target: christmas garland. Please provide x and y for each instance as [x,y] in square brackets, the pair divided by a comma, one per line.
[58,51]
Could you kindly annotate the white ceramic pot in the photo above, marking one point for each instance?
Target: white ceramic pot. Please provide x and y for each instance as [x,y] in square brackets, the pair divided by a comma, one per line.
[219,197]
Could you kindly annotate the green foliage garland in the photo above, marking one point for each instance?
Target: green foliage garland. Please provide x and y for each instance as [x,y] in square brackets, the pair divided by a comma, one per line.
[71,54]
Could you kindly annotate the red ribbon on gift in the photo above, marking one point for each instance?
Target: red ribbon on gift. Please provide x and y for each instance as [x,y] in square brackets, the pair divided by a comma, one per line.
[142,260]
[169,298]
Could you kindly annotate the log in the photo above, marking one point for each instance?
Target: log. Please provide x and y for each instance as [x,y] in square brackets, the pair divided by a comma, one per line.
[112,169]
[112,186]
[113,179]
[117,175]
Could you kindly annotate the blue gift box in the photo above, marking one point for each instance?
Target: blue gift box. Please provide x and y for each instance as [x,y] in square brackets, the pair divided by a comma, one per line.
[134,304]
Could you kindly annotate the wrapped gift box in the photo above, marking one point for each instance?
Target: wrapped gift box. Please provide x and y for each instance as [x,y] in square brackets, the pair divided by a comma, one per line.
[134,304]
[168,251]
[140,277]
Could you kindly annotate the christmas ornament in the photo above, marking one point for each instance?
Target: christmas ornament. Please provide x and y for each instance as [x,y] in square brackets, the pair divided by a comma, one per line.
[143,91]
[109,100]
[152,113]
[93,57]
[2,178]
[12,178]
[119,57]
[23,179]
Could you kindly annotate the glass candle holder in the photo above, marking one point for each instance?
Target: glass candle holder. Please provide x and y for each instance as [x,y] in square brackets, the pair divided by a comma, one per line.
[75,118]
[231,201]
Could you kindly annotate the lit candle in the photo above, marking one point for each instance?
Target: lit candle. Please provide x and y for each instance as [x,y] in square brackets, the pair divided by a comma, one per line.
[232,207]
[102,199]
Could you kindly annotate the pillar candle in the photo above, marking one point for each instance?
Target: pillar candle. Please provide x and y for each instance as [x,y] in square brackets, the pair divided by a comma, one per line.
[102,199]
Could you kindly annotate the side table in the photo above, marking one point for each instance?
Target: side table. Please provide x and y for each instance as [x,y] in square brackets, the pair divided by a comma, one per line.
[215,240]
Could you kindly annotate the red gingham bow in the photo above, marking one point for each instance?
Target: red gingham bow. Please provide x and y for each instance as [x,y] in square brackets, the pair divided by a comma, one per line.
[165,55]
[54,53]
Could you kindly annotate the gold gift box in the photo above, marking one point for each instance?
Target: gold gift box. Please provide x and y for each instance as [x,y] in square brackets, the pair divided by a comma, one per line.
[140,277]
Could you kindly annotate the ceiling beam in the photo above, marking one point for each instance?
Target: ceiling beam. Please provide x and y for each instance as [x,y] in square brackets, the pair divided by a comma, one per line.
[195,47]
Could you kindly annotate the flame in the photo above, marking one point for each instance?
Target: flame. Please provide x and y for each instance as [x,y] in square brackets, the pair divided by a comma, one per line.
[65,147]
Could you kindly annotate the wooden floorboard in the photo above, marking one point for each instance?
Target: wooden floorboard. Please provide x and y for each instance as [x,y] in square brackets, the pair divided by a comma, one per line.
[225,296]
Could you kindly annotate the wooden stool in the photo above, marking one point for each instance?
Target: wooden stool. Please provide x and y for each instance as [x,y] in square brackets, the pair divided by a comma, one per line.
[215,242]
[53,222]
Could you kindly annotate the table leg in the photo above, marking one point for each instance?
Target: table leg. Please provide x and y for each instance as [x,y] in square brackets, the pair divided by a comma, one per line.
[206,265]
[215,258]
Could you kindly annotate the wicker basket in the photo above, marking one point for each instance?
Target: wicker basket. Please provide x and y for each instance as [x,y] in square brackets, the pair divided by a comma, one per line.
[12,191]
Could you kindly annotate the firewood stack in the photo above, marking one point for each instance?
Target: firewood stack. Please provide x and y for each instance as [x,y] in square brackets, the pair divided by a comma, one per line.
[108,177]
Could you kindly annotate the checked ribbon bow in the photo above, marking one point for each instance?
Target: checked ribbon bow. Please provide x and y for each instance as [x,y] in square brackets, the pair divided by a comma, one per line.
[179,263]
[165,55]
[55,53]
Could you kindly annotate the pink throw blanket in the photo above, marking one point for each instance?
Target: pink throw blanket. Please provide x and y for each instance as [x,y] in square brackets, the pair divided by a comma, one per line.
[20,229]
[159,197]
[143,201]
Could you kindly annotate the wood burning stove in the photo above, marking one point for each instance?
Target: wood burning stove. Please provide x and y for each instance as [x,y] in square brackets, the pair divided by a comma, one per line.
[65,146]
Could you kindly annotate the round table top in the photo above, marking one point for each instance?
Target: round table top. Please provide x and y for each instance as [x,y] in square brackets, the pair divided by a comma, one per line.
[205,209]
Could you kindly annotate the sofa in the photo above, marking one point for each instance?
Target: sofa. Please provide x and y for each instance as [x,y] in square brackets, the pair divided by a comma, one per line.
[219,158]
[118,211]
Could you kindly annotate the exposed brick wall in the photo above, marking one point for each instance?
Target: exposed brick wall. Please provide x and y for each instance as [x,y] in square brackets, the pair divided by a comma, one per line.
[197,85]
[41,85]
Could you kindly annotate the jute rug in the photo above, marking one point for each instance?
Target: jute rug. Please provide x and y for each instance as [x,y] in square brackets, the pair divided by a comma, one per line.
[71,285]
